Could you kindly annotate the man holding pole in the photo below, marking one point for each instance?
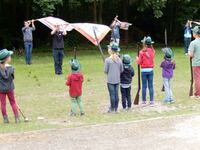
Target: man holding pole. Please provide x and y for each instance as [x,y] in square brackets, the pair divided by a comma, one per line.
[194,53]
[58,49]
[28,40]
[115,34]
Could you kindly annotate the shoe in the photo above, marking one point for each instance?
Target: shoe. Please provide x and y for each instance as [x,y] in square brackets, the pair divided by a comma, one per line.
[72,114]
[5,119]
[110,110]
[152,104]
[172,101]
[82,114]
[195,97]
[144,103]
[166,101]
[186,54]
[17,120]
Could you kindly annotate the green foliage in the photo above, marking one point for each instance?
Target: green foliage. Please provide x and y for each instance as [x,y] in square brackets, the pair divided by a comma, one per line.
[46,7]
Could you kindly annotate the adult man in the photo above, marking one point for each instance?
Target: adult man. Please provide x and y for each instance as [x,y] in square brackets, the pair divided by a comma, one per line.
[115,34]
[194,53]
[28,40]
[58,49]
[187,36]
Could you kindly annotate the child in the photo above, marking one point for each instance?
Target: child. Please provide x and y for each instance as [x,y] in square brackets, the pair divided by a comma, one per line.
[126,79]
[167,72]
[146,61]
[7,85]
[113,69]
[75,81]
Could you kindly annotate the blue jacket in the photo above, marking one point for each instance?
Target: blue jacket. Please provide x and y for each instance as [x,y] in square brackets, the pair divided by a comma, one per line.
[127,75]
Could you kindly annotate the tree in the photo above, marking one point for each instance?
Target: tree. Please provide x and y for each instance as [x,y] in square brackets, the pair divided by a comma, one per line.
[46,7]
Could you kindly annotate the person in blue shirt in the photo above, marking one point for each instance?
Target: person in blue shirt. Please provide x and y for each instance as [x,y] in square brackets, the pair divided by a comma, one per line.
[187,36]
[28,40]
[115,33]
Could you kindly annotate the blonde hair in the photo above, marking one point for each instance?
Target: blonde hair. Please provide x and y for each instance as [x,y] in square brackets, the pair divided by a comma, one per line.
[113,55]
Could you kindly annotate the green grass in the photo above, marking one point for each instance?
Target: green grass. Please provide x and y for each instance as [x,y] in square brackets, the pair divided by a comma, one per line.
[40,93]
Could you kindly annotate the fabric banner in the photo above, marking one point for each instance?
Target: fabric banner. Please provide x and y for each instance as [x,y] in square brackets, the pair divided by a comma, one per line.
[125,25]
[51,22]
[88,29]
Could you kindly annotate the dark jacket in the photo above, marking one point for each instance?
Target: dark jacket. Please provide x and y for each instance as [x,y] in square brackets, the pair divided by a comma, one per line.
[58,40]
[127,75]
[6,79]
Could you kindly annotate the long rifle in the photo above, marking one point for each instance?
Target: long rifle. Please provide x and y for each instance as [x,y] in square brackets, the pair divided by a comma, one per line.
[74,52]
[192,79]
[99,46]
[137,97]
[166,44]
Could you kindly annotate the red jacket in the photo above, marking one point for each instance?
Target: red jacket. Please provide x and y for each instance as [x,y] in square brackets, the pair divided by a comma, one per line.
[146,58]
[74,81]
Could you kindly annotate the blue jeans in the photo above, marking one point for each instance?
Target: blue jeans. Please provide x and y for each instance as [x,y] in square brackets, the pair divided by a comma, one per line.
[168,90]
[28,51]
[58,55]
[114,97]
[126,97]
[147,79]
[187,42]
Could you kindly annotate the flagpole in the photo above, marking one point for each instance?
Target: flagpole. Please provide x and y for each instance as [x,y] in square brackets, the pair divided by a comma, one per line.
[99,46]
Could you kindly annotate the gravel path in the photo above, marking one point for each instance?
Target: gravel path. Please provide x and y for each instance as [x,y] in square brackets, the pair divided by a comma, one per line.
[176,133]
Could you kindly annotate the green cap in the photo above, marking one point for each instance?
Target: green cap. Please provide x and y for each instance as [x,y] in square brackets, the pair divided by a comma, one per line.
[147,40]
[126,59]
[4,53]
[168,52]
[75,65]
[114,47]
[196,30]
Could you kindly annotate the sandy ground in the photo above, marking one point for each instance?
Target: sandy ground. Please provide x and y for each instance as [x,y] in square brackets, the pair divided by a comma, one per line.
[175,133]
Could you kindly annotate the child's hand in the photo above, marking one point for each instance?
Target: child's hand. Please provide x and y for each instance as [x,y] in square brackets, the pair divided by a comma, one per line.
[173,61]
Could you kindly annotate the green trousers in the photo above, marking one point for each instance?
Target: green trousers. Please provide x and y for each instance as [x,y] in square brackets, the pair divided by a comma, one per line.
[76,102]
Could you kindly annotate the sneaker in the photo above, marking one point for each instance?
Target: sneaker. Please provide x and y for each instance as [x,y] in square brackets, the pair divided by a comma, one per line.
[172,101]
[166,101]
[195,97]
[152,103]
[17,120]
[72,114]
[144,103]
[82,114]
[5,119]
[186,54]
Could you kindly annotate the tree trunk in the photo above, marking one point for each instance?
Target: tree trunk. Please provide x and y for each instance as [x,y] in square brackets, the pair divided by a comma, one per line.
[100,11]
[95,11]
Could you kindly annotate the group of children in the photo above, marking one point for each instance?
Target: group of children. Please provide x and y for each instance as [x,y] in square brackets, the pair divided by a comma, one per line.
[119,72]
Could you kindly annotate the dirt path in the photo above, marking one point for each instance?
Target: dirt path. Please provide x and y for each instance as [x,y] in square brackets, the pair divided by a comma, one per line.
[177,133]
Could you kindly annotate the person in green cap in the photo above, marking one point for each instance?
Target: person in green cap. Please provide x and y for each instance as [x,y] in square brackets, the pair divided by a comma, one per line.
[75,81]
[146,62]
[113,68]
[7,85]
[168,66]
[126,79]
[194,54]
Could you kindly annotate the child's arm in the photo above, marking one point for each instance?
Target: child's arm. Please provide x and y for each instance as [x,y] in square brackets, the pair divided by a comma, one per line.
[162,65]
[106,67]
[68,81]
[174,64]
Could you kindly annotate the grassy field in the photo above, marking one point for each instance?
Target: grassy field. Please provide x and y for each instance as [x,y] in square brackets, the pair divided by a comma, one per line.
[40,92]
